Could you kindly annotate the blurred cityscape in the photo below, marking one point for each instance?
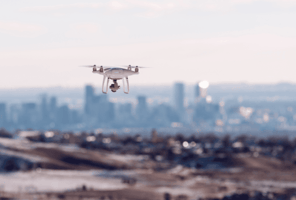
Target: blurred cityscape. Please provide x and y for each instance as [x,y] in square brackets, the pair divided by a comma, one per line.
[197,108]
[179,142]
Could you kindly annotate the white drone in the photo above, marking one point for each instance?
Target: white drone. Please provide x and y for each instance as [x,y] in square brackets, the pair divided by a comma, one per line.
[115,73]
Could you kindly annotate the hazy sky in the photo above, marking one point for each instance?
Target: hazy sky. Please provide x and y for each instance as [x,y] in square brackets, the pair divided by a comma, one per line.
[43,43]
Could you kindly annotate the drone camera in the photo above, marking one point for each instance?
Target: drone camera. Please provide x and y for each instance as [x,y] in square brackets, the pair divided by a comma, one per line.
[114,87]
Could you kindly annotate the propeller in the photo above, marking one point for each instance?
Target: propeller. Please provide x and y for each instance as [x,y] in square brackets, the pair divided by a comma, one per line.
[134,66]
[92,66]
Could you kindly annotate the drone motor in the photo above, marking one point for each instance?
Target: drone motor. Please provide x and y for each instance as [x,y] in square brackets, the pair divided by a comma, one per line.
[94,68]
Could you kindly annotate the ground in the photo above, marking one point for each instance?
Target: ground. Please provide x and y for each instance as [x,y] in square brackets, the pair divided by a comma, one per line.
[70,172]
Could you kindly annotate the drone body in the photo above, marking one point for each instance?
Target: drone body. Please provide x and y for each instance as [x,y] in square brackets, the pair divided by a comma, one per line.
[115,73]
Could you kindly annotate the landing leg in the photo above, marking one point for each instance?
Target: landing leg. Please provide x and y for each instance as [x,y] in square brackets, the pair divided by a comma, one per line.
[126,92]
[123,85]
[103,85]
[127,83]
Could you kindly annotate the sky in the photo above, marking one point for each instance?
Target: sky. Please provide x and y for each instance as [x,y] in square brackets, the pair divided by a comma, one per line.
[44,43]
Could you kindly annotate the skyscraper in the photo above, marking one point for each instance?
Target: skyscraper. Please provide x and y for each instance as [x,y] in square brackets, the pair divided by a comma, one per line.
[142,107]
[89,96]
[2,114]
[44,110]
[196,91]
[63,116]
[53,110]
[29,116]
[179,97]
[125,109]
[14,113]
[53,104]
[203,88]
[103,109]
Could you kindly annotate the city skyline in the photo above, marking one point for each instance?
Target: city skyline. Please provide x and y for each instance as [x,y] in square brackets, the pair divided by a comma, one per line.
[216,110]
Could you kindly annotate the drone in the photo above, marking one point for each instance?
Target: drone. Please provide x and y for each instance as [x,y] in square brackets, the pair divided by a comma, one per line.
[115,73]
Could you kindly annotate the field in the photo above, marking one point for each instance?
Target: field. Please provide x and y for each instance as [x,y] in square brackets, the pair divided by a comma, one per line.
[54,171]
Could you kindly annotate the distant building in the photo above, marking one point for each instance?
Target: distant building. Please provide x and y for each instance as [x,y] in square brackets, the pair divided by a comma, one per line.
[89,97]
[3,116]
[63,116]
[98,107]
[197,90]
[44,110]
[204,111]
[124,115]
[75,117]
[163,115]
[142,110]
[179,97]
[101,109]
[13,115]
[203,85]
[111,111]
[29,116]
[125,109]
[53,104]
[196,93]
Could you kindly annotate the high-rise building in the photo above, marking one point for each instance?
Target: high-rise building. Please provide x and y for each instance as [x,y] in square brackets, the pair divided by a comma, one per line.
[53,111]
[3,116]
[44,110]
[100,108]
[29,117]
[111,112]
[53,104]
[196,93]
[179,97]
[124,114]
[14,113]
[125,109]
[63,116]
[89,96]
[142,110]
[203,85]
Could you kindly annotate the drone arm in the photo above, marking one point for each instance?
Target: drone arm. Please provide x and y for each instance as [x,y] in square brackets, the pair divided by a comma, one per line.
[98,72]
